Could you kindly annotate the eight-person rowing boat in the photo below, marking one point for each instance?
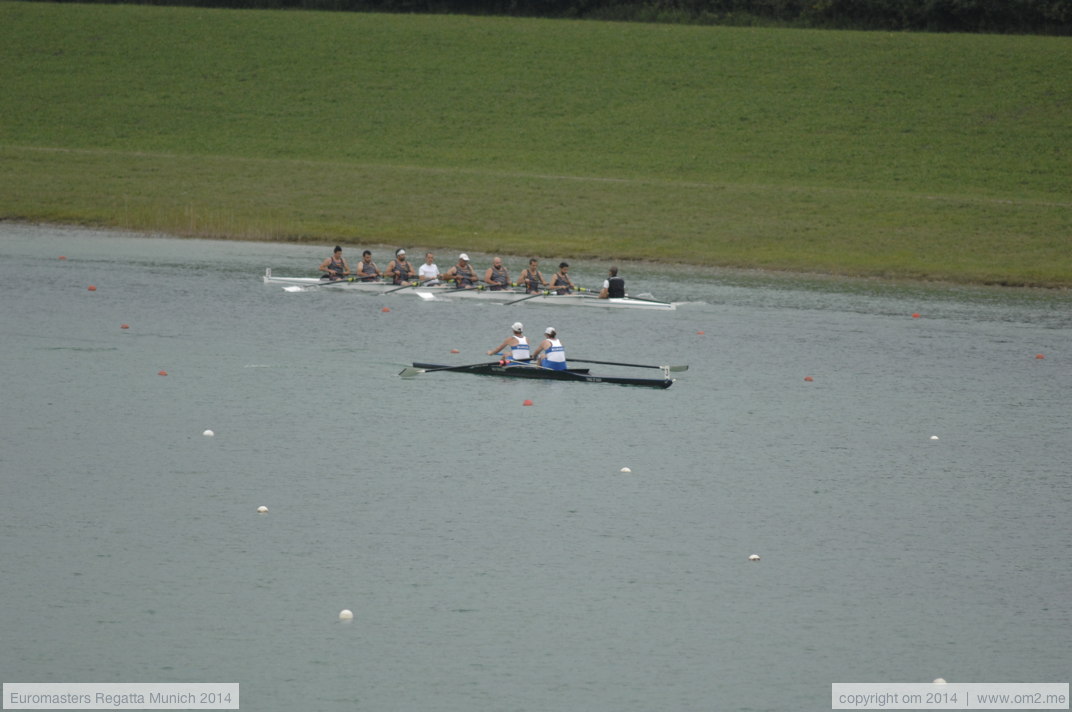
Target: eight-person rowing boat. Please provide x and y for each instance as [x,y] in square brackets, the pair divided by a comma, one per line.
[449,291]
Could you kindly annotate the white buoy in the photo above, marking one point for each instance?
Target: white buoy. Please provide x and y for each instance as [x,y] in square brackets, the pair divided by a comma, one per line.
[262,510]
[625,469]
[939,681]
[346,615]
[754,557]
[208,433]
[934,437]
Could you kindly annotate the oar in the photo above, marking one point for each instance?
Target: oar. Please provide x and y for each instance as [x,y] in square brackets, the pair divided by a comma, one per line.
[642,299]
[414,371]
[404,286]
[634,365]
[530,296]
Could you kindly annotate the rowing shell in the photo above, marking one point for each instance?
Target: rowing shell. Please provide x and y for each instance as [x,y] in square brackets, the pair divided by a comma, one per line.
[538,372]
[301,284]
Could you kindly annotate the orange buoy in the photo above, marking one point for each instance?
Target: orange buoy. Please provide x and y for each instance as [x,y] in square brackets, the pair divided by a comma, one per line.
[124,326]
[91,288]
[455,351]
[699,333]
[916,315]
[527,402]
[1039,356]
[162,373]
[386,309]
[62,257]
[809,379]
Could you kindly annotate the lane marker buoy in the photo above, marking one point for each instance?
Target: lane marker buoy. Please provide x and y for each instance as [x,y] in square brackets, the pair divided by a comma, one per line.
[754,557]
[92,288]
[208,434]
[346,615]
[161,373]
[262,510]
[527,402]
[625,469]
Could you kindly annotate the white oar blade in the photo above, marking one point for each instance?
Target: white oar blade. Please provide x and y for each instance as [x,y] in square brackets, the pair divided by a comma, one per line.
[410,372]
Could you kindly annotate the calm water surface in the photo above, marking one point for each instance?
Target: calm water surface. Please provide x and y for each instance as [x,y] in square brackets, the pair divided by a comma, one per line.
[494,555]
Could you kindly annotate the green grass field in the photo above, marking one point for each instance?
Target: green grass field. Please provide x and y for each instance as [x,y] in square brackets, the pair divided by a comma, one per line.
[898,155]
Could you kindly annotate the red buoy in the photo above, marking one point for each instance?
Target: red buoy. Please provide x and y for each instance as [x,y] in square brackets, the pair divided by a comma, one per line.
[527,402]
[1039,356]
[91,288]
[162,373]
[916,315]
[808,379]
[124,326]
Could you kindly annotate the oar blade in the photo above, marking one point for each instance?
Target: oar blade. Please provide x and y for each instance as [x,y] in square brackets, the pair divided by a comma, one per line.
[685,367]
[410,372]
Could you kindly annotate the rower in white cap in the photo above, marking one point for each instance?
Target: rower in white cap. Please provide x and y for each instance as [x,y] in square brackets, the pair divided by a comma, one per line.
[400,270]
[554,353]
[462,274]
[517,343]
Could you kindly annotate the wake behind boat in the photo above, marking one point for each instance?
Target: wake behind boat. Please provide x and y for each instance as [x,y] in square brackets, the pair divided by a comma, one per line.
[517,370]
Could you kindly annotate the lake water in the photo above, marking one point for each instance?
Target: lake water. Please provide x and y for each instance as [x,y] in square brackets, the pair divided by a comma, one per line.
[494,555]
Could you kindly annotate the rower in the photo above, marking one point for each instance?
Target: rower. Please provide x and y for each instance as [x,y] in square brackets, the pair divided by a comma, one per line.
[497,276]
[335,266]
[367,270]
[429,271]
[400,271]
[518,344]
[560,280]
[462,274]
[613,286]
[532,278]
[552,349]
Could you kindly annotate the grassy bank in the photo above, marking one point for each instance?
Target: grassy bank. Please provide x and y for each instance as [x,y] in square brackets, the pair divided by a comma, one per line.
[930,156]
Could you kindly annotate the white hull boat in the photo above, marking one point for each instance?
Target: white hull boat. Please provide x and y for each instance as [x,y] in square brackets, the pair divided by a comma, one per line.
[445,291]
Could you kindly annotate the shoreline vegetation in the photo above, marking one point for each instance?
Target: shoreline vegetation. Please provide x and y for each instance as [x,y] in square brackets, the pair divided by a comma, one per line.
[895,156]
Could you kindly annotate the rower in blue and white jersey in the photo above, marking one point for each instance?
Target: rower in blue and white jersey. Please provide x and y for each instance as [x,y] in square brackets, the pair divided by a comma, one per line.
[554,353]
[518,344]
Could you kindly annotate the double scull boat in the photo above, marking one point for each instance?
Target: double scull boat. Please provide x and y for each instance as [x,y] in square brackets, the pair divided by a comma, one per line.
[516,370]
